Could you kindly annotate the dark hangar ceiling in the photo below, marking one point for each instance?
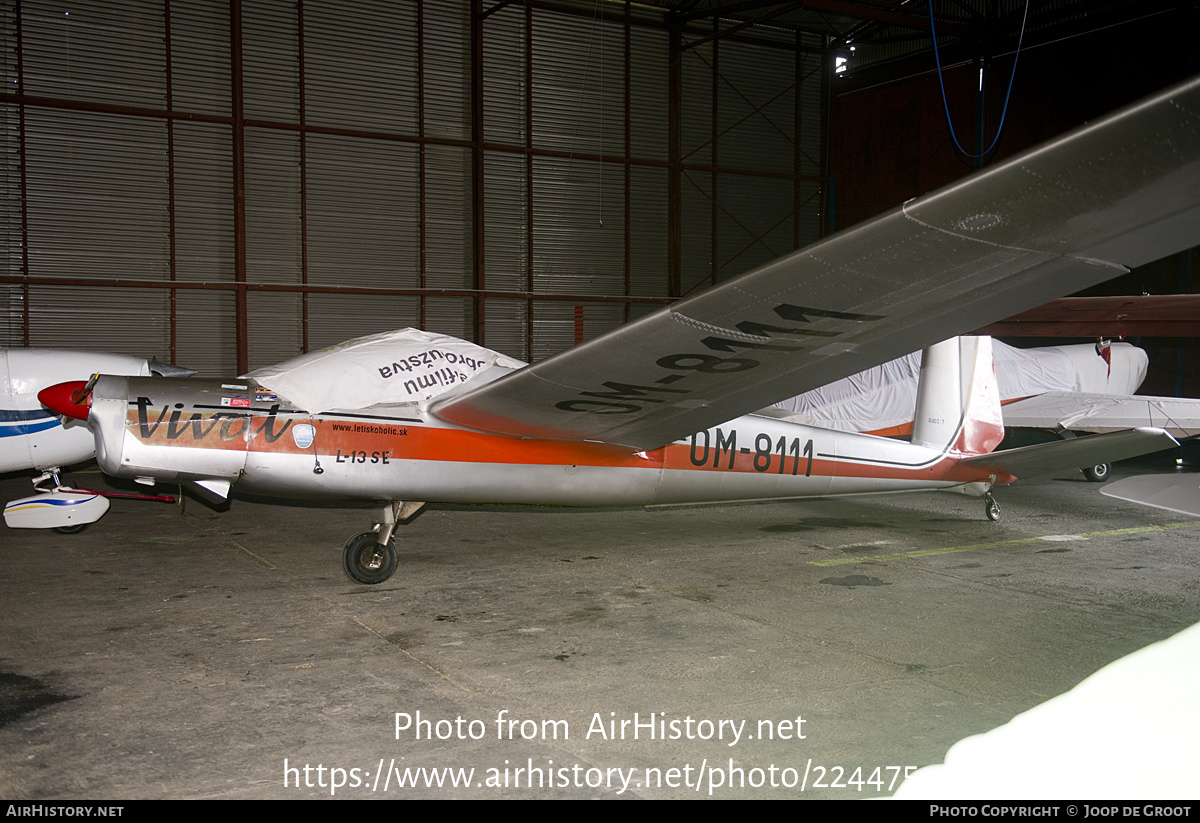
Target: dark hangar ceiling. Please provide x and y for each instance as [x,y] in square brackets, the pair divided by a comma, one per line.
[877,38]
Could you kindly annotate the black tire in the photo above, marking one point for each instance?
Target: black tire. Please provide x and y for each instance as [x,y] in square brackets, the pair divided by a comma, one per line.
[1097,473]
[357,556]
[991,508]
[76,529]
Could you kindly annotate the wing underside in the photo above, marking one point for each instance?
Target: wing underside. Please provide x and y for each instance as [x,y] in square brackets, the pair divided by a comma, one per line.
[1071,213]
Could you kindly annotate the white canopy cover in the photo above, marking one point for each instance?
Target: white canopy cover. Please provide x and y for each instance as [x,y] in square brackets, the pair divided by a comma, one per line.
[884,397]
[402,366]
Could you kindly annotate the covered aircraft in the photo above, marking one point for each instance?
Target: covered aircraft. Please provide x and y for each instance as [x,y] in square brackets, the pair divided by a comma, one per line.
[1098,401]
[880,400]
[660,410]
[32,436]
[1064,389]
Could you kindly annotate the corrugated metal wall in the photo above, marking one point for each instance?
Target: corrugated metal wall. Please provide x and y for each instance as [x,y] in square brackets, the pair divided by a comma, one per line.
[227,184]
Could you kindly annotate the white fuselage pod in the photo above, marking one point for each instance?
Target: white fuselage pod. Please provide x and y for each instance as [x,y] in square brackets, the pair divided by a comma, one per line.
[32,436]
[234,431]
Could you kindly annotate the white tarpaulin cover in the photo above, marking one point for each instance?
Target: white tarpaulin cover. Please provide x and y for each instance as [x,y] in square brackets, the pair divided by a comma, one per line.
[403,366]
[884,397]
[1060,750]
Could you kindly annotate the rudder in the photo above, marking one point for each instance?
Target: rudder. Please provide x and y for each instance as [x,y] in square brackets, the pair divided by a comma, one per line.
[958,402]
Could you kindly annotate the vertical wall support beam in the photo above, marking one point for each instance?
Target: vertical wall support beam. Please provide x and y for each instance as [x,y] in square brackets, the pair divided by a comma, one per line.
[529,181]
[239,185]
[24,181]
[303,176]
[422,256]
[714,263]
[674,154]
[797,133]
[628,155]
[477,211]
[172,295]
[829,224]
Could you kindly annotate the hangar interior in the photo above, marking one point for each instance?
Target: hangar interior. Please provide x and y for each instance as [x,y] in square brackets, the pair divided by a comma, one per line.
[225,185]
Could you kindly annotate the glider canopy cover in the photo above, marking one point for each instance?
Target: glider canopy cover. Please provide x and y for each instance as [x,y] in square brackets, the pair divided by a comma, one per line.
[402,366]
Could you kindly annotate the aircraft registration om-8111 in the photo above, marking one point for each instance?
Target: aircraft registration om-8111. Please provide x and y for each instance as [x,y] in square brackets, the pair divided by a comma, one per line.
[663,409]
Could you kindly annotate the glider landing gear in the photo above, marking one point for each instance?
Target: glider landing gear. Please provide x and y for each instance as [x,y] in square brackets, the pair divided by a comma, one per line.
[990,507]
[366,561]
[370,557]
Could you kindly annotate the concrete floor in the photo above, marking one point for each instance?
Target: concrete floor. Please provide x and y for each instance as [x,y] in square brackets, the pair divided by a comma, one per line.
[180,652]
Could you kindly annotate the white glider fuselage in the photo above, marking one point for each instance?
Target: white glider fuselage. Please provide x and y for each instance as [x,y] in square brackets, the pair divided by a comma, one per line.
[200,430]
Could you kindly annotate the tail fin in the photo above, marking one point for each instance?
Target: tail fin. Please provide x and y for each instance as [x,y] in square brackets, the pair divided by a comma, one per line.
[958,404]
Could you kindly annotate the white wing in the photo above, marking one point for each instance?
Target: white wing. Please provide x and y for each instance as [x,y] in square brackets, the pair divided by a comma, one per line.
[1082,411]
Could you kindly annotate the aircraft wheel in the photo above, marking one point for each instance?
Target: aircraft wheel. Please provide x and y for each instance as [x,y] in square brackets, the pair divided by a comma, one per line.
[76,529]
[991,507]
[1097,473]
[359,561]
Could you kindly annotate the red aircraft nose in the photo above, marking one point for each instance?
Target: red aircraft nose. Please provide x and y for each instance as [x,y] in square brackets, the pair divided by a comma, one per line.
[67,399]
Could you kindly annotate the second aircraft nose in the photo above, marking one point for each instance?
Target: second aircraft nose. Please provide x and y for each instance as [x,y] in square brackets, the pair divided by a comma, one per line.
[67,399]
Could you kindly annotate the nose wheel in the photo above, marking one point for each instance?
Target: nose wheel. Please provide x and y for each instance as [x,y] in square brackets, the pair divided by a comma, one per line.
[990,507]
[366,561]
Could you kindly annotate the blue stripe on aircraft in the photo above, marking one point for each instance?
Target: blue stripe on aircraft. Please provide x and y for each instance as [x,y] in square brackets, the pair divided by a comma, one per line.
[16,505]
[27,428]
[11,415]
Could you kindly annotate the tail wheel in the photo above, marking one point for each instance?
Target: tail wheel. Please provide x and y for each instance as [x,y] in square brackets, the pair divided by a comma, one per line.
[1097,473]
[365,561]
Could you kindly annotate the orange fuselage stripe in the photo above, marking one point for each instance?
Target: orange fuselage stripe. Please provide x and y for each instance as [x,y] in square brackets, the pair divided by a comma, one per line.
[368,442]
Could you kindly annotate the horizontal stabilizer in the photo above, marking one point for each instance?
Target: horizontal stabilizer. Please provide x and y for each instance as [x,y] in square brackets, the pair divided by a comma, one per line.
[1173,492]
[1046,458]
